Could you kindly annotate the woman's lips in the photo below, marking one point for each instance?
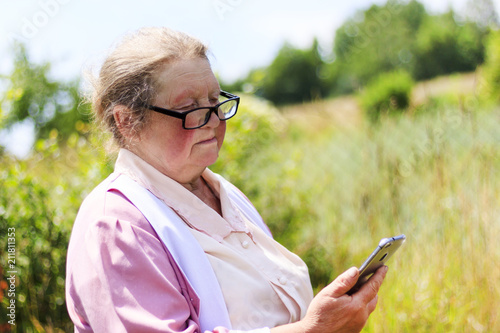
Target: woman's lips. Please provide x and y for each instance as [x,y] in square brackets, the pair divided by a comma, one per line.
[208,141]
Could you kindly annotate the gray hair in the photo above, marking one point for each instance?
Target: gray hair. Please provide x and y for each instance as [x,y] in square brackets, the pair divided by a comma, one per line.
[127,76]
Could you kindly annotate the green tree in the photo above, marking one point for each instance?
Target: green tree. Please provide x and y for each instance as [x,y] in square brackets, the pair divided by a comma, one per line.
[377,40]
[443,46]
[55,108]
[294,76]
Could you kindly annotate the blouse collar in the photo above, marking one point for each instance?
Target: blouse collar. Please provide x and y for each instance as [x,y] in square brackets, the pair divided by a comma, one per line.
[188,206]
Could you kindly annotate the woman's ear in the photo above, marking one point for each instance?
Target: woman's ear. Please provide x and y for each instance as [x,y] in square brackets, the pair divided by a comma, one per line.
[123,120]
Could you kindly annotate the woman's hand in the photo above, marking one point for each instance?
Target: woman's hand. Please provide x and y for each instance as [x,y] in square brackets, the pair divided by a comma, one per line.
[332,310]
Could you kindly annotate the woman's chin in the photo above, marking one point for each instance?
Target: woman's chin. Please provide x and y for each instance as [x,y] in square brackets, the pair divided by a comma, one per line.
[212,160]
[208,159]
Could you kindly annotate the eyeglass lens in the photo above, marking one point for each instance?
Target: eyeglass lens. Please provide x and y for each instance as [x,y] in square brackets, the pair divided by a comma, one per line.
[200,117]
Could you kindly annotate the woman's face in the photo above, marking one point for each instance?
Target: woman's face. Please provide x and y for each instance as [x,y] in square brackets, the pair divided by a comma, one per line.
[179,153]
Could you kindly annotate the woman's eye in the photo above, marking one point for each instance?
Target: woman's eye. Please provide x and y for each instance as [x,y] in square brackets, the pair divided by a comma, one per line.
[187,108]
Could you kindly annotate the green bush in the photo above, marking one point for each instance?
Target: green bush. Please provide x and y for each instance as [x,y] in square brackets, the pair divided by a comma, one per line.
[39,199]
[27,209]
[491,69]
[256,126]
[386,93]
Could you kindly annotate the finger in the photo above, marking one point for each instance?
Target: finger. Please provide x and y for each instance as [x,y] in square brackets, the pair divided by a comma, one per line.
[372,305]
[370,289]
[343,283]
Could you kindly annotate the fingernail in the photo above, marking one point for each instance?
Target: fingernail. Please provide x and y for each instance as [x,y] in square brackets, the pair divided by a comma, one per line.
[353,272]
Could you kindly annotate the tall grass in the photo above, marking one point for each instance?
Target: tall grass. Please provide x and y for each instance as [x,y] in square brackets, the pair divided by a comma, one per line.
[331,194]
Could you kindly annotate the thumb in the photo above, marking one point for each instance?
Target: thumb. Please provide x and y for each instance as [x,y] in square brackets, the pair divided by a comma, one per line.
[344,282]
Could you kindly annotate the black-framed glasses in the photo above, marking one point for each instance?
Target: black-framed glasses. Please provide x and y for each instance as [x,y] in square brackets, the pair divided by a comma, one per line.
[199,117]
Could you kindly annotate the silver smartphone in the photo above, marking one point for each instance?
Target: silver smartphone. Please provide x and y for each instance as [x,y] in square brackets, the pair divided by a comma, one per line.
[377,259]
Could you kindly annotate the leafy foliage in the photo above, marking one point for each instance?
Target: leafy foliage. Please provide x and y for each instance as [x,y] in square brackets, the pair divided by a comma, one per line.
[50,105]
[39,197]
[294,76]
[41,240]
[388,92]
[257,125]
[378,40]
[443,47]
[491,69]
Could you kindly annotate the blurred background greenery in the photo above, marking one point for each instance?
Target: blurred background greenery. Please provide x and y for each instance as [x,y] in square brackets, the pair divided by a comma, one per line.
[396,130]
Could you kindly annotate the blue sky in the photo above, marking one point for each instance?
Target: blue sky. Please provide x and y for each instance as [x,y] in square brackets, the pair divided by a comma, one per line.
[242,34]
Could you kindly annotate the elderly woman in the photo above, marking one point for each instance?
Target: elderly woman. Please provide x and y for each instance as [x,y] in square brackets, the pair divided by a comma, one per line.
[165,245]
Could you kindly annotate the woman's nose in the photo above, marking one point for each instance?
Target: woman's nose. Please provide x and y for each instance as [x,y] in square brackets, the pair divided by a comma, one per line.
[214,120]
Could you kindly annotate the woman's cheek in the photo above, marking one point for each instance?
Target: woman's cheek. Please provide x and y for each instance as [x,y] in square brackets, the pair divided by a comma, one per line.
[221,133]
